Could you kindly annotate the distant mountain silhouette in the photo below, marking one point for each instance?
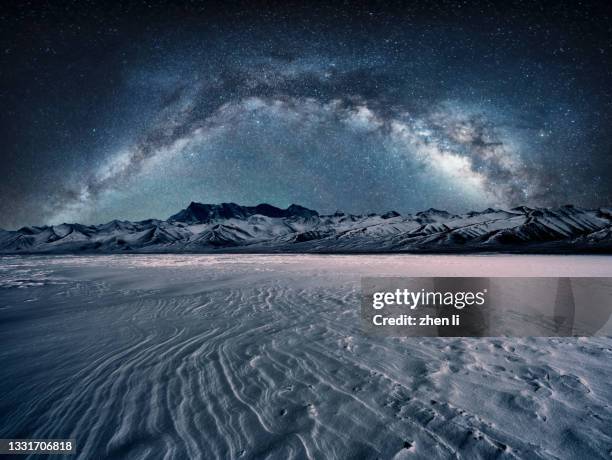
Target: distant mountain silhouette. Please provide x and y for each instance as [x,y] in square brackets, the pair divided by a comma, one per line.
[266,228]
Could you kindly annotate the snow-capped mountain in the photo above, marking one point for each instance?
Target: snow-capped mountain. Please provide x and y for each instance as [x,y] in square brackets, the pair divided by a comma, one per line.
[264,228]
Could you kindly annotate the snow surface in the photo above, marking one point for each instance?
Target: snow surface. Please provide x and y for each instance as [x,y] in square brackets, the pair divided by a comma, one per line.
[262,356]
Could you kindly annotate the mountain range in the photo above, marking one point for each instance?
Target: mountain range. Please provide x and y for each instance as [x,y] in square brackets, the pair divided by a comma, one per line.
[229,227]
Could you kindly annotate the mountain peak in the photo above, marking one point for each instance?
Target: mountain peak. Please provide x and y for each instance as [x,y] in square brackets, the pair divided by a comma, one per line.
[300,211]
[199,213]
[523,209]
[434,211]
[390,214]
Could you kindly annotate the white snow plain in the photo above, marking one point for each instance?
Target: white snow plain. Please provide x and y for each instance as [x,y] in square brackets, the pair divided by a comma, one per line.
[262,356]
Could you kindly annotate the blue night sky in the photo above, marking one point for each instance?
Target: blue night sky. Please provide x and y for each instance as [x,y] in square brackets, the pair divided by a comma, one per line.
[133,111]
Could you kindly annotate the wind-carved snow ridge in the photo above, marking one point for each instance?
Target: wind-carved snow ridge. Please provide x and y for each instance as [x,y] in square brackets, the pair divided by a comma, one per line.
[229,227]
[262,356]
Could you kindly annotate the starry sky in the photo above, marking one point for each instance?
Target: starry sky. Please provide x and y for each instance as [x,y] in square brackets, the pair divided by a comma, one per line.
[132,111]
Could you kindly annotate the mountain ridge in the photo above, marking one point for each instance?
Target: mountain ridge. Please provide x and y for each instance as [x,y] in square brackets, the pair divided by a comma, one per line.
[230,227]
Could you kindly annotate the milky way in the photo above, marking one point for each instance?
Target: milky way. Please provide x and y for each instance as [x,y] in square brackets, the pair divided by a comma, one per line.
[135,113]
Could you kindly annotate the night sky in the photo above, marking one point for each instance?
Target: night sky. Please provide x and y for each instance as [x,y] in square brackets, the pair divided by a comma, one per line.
[132,112]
